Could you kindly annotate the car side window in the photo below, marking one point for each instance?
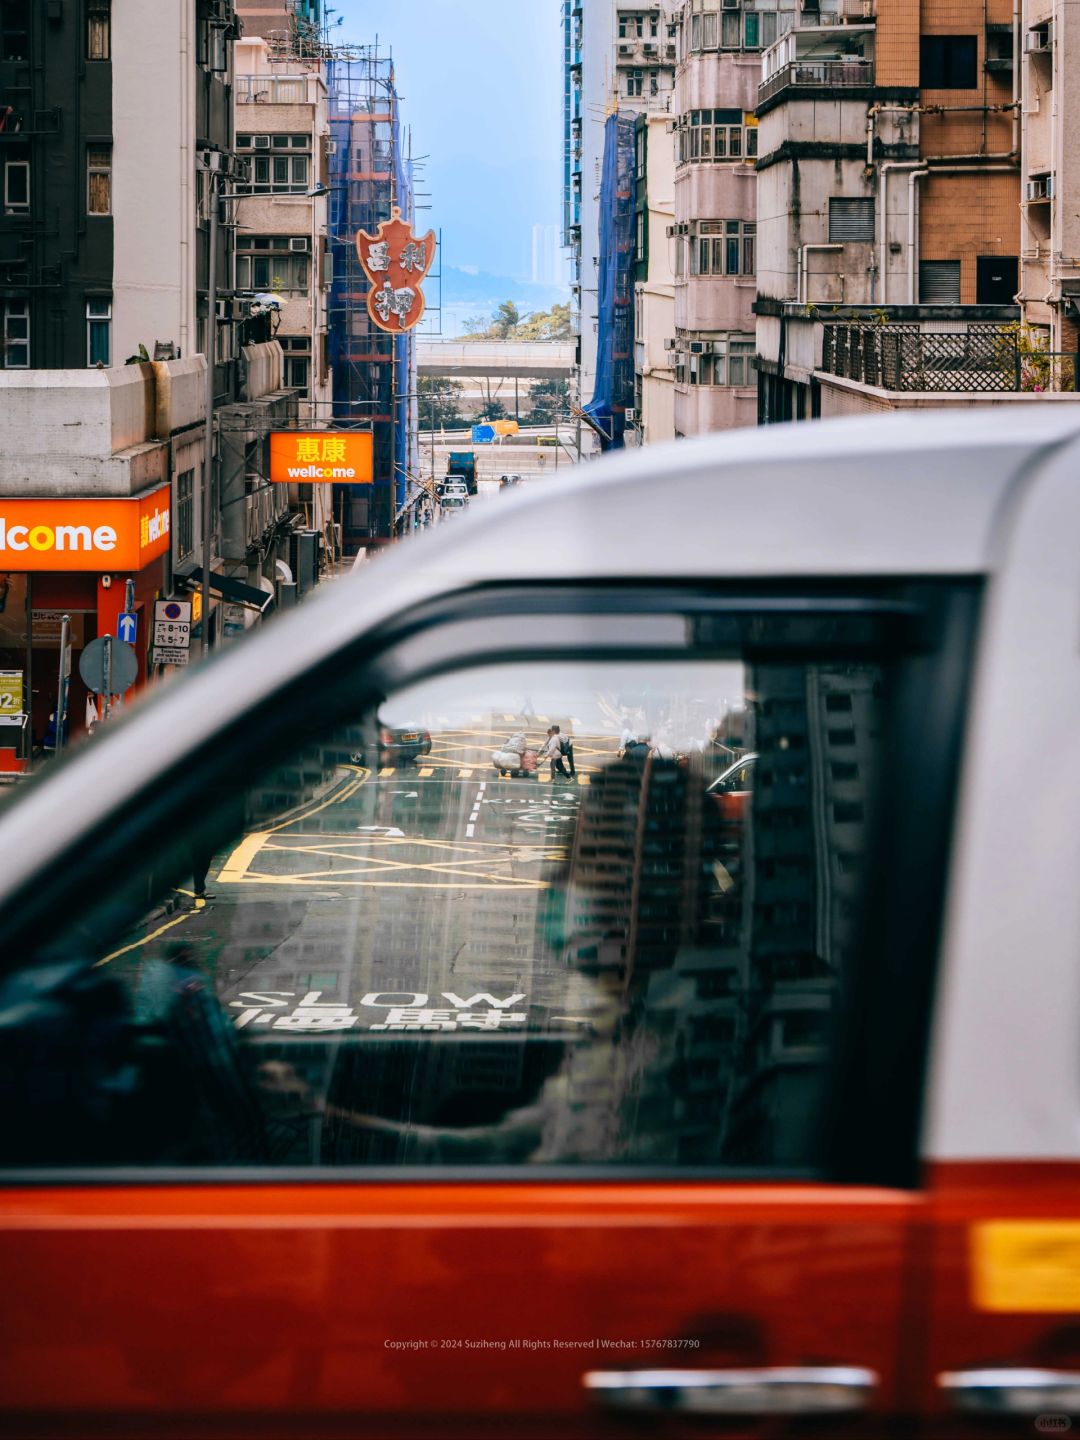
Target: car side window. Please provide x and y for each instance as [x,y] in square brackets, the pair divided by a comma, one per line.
[507,919]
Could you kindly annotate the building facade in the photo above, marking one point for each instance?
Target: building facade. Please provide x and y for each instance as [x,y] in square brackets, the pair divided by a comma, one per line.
[654,281]
[618,56]
[1049,70]
[888,191]
[714,234]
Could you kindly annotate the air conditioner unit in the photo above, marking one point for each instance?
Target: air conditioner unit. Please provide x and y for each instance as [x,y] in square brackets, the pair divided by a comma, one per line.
[299,242]
[260,142]
[331,147]
[670,343]
[697,347]
[1041,188]
[732,4]
[1040,40]
[649,47]
[626,49]
[631,415]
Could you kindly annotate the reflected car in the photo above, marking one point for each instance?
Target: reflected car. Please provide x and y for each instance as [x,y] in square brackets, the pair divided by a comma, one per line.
[398,745]
[731,789]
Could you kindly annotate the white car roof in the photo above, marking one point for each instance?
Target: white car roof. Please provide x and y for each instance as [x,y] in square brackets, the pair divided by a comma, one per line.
[912,494]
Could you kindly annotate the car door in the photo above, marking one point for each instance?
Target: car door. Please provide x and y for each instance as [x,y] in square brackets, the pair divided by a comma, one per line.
[1002,1242]
[465,1105]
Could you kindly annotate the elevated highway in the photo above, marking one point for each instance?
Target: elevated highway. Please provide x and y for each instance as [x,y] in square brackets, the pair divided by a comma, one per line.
[509,359]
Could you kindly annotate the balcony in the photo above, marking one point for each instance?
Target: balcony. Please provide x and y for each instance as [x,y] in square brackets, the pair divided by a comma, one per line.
[982,357]
[823,57]
[276,89]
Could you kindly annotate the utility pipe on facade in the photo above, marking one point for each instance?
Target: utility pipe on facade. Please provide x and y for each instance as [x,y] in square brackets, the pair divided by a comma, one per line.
[804,251]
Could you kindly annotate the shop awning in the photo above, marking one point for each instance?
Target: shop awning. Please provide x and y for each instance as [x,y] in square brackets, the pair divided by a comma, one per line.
[234,590]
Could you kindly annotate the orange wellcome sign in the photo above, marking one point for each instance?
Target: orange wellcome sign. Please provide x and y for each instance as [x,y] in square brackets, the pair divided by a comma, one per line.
[340,458]
[95,535]
[395,260]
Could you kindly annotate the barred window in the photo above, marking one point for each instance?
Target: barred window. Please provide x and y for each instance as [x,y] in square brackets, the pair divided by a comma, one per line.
[99,180]
[721,135]
[723,247]
[272,262]
[98,25]
[727,361]
[276,164]
[185,514]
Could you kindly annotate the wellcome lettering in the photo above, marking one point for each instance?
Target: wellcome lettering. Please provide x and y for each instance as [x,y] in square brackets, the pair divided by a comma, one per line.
[110,534]
[56,537]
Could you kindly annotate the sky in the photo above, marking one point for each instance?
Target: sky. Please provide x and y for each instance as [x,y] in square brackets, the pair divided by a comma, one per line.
[481,87]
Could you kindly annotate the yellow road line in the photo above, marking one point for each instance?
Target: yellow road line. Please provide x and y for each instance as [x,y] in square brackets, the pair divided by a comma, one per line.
[425,771]
[465,773]
[394,884]
[138,944]
[387,770]
[235,866]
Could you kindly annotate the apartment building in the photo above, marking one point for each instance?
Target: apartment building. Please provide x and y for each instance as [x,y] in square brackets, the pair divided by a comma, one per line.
[618,56]
[714,234]
[888,191]
[1049,70]
[654,281]
[281,135]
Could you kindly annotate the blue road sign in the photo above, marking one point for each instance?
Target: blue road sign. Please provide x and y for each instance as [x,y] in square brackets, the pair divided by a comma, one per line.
[126,626]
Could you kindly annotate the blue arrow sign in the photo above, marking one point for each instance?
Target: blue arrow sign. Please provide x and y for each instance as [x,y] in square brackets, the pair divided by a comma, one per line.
[126,625]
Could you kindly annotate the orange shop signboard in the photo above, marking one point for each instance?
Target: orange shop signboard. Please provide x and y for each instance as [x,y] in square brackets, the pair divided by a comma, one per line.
[95,535]
[342,457]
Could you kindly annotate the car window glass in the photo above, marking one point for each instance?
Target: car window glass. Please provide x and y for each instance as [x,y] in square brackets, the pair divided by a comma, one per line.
[501,922]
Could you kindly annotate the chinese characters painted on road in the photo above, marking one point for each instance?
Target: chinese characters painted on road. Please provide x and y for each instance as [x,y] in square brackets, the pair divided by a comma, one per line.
[409,1011]
[395,261]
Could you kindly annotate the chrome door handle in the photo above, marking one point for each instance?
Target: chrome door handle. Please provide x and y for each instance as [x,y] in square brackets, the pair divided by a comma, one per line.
[779,1390]
[1012,1392]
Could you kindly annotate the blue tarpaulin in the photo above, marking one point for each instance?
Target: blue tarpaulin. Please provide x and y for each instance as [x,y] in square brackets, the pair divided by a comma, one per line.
[614,389]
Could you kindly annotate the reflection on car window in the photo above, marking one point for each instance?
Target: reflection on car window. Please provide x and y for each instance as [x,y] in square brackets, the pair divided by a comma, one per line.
[514,919]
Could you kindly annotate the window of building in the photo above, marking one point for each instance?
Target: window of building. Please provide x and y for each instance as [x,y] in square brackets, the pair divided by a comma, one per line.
[948,62]
[639,238]
[297,350]
[631,27]
[99,180]
[14,29]
[850,219]
[99,330]
[726,361]
[723,135]
[277,164]
[15,350]
[98,30]
[272,262]
[939,282]
[634,82]
[639,154]
[185,514]
[16,186]
[723,247]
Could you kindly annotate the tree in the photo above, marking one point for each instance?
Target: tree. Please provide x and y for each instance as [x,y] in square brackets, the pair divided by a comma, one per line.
[507,323]
[439,403]
[550,401]
[495,410]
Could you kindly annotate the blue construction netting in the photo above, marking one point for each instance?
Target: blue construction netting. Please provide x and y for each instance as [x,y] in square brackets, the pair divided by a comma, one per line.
[614,389]
[373,372]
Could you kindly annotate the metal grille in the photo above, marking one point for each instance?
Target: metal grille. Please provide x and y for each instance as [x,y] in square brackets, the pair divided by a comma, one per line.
[904,357]
[939,282]
[850,219]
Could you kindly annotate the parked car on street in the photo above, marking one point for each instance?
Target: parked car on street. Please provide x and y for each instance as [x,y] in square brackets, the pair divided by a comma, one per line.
[466,1104]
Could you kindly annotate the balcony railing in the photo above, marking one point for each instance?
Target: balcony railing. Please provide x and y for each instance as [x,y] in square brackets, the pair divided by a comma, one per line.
[275,89]
[980,358]
[818,72]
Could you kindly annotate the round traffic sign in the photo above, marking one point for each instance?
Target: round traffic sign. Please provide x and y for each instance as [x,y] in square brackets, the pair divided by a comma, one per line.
[123,666]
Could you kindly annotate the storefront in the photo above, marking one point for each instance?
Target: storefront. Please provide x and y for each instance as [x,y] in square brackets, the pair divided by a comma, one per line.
[74,557]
